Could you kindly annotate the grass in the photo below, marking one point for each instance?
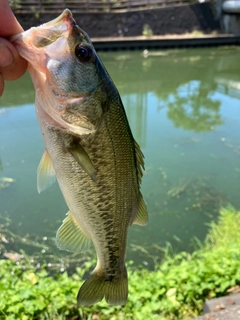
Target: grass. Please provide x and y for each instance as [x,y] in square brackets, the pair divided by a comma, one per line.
[176,289]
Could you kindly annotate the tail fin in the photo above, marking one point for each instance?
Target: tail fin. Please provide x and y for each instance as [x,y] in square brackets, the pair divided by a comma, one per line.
[94,289]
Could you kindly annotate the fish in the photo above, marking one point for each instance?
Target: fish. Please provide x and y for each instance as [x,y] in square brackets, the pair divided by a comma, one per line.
[90,151]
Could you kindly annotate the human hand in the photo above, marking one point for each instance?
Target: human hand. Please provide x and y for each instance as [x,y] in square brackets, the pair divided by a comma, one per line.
[12,65]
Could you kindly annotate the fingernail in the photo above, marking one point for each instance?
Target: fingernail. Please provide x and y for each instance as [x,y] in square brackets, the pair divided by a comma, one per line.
[6,57]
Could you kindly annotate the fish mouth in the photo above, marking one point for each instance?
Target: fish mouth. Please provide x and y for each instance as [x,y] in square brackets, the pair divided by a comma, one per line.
[58,25]
[45,48]
[65,17]
[37,39]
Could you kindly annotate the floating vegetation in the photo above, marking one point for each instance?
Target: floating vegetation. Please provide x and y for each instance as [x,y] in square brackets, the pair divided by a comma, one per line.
[172,204]
[209,197]
[5,182]
[33,251]
[145,254]
[234,147]
[198,194]
[181,187]
[163,173]
[180,199]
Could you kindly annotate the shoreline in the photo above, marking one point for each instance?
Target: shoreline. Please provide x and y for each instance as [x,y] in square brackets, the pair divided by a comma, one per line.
[163,42]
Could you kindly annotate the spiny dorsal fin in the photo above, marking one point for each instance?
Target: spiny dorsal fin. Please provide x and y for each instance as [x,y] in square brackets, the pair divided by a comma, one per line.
[71,237]
[139,161]
[83,160]
[142,215]
[45,173]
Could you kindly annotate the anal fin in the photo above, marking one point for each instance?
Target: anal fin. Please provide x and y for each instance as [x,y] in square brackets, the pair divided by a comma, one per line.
[71,237]
[142,215]
[45,173]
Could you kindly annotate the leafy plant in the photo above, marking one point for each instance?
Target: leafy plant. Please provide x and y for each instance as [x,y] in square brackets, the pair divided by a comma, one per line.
[147,31]
[15,4]
[176,289]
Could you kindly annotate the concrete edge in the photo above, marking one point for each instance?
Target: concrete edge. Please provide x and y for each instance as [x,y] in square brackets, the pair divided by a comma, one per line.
[160,42]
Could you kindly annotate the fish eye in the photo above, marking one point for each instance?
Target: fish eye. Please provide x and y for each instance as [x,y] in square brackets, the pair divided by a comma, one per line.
[83,53]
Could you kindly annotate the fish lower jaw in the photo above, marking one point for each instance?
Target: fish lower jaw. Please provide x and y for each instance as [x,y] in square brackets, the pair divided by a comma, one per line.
[76,100]
[63,101]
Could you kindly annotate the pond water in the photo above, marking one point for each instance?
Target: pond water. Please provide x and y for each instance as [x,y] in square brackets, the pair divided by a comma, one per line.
[184,110]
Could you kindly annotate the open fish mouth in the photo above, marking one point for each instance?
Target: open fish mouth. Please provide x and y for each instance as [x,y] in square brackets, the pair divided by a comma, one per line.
[29,43]
[65,17]
[49,31]
[49,49]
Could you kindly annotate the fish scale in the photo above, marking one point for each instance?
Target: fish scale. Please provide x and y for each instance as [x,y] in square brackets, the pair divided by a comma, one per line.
[89,149]
[102,192]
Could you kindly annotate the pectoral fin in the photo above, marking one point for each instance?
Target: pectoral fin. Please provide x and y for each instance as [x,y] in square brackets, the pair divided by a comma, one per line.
[142,215]
[45,173]
[83,160]
[71,237]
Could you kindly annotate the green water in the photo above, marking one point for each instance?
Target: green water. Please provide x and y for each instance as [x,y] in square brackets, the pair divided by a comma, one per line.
[184,110]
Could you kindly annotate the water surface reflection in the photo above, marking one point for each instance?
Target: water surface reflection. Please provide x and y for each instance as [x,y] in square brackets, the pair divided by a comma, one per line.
[183,108]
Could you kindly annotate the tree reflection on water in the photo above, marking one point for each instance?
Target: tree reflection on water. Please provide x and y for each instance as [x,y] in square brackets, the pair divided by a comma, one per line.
[192,108]
[183,81]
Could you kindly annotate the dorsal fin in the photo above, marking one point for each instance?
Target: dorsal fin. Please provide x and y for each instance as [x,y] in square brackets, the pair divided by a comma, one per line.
[82,158]
[139,161]
[45,173]
[142,215]
[71,237]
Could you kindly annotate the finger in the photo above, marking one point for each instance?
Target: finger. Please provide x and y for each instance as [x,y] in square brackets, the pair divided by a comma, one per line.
[6,56]
[12,65]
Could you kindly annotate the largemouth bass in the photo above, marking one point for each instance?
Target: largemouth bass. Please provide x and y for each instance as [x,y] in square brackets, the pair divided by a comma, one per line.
[89,149]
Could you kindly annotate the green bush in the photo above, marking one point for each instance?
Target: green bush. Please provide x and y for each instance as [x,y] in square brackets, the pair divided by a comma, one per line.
[176,289]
